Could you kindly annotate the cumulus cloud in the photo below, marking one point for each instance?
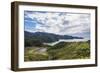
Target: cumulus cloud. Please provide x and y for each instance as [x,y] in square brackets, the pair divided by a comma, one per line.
[62,23]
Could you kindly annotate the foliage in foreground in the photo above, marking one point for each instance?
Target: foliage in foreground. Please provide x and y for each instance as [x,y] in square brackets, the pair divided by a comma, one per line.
[72,50]
[60,51]
[33,55]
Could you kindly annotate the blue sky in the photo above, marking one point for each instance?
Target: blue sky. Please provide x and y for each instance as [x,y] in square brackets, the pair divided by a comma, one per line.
[62,23]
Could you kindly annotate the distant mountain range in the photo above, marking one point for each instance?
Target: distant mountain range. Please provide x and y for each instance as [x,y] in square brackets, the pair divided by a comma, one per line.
[44,37]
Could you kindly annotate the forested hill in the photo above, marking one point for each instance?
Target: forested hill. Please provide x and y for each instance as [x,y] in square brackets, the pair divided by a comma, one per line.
[42,37]
[48,37]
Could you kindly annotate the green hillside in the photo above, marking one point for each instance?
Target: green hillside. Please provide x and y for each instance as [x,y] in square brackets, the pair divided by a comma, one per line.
[60,51]
[70,50]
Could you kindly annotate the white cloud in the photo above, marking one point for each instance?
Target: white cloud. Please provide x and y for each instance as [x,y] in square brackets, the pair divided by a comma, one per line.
[54,22]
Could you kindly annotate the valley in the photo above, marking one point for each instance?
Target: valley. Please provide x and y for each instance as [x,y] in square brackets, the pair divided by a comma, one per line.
[41,46]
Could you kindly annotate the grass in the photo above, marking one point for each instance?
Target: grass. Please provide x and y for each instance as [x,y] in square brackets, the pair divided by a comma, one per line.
[32,54]
[60,51]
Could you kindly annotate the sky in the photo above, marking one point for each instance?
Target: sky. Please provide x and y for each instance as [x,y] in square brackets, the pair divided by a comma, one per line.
[61,23]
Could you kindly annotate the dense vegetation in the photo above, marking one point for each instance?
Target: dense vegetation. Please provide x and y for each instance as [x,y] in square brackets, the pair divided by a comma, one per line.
[70,50]
[60,51]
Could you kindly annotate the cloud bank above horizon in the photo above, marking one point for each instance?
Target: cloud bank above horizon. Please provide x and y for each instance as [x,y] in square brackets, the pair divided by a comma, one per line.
[62,23]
